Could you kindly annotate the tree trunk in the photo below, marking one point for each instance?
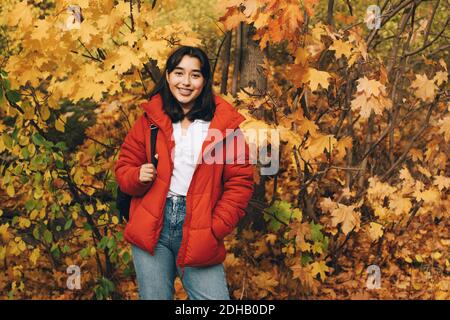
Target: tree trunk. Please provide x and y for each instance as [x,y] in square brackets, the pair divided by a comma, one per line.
[251,74]
[237,60]
[226,64]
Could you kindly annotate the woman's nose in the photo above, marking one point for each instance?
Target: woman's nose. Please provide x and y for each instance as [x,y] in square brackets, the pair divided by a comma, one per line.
[187,80]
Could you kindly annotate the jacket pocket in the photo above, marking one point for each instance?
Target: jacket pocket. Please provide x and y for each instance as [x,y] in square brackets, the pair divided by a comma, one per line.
[214,235]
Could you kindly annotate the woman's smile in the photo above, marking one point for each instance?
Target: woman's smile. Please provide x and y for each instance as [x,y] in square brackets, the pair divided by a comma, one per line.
[185,92]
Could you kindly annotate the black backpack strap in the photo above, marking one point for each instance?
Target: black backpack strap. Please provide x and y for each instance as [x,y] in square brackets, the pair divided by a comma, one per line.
[154,132]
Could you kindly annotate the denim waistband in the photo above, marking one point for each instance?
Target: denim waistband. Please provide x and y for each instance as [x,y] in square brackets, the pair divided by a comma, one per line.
[177,197]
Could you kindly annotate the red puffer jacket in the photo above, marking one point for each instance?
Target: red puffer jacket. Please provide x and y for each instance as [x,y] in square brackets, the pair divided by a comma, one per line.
[217,195]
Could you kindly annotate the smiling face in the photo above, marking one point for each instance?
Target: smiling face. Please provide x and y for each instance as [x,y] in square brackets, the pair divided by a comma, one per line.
[186,81]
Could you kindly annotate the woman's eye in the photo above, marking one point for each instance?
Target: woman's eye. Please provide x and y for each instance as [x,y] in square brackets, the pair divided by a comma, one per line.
[196,76]
[178,73]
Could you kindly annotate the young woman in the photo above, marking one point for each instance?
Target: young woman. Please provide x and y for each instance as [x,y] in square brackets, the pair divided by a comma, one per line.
[181,211]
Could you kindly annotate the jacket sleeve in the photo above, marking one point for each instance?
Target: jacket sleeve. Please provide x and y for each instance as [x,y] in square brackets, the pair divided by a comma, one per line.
[131,156]
[238,189]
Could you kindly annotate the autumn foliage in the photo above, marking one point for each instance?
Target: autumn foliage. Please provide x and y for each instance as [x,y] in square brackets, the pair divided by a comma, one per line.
[362,114]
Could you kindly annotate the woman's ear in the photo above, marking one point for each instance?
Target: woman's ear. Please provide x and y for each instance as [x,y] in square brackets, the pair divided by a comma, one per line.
[167,75]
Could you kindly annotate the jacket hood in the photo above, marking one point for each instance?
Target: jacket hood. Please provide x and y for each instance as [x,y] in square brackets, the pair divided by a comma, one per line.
[225,116]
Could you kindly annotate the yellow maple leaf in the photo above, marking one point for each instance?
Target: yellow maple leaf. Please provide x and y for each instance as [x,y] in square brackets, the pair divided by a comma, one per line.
[416,154]
[131,38]
[125,58]
[440,77]
[24,222]
[271,238]
[232,19]
[400,205]
[88,90]
[317,247]
[4,233]
[429,196]
[87,31]
[344,144]
[293,16]
[442,182]
[34,256]
[425,88]
[41,30]
[261,20]
[323,142]
[327,205]
[370,87]
[359,102]
[444,125]
[265,280]
[316,78]
[20,14]
[301,56]
[304,124]
[375,231]
[45,112]
[319,268]
[342,48]
[59,125]
[89,208]
[10,190]
[346,216]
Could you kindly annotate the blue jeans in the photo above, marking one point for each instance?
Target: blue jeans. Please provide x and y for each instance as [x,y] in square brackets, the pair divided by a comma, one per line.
[156,274]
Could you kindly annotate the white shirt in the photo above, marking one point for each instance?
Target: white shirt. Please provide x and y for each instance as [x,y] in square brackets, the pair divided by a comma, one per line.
[187,152]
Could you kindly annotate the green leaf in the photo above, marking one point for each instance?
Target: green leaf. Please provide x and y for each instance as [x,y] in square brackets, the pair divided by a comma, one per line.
[54,247]
[316,234]
[7,84]
[84,252]
[111,243]
[325,244]
[281,212]
[18,170]
[119,236]
[48,236]
[13,96]
[306,259]
[87,227]
[36,233]
[56,253]
[7,140]
[37,139]
[108,285]
[61,145]
[30,205]
[126,257]
[25,153]
[102,244]
[59,164]
[68,224]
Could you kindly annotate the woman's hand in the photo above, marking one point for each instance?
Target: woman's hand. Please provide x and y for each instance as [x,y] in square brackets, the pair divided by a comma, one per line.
[147,172]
